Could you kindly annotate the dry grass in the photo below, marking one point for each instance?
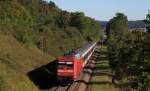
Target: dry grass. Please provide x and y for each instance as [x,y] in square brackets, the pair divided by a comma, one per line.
[105,87]
[103,83]
[101,78]
[15,61]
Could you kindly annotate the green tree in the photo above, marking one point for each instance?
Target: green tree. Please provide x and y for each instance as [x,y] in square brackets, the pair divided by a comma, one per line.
[51,4]
[1,84]
[77,20]
[147,21]
[24,37]
[64,19]
[129,54]
[118,45]
[119,25]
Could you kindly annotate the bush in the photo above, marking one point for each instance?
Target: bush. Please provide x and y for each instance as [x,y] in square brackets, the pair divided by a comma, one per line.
[1,84]
[24,37]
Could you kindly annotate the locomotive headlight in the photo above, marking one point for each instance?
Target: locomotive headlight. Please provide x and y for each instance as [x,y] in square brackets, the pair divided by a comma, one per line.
[69,62]
[60,70]
[70,71]
[61,62]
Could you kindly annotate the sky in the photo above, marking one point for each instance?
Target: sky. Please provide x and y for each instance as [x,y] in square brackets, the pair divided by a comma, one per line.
[106,9]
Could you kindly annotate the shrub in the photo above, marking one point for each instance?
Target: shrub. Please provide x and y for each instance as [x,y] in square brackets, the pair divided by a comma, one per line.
[1,84]
[24,37]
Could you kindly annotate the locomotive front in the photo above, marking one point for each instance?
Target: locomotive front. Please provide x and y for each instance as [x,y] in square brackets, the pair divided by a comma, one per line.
[69,66]
[65,68]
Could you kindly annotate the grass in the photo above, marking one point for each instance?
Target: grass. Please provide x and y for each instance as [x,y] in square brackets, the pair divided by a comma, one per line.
[102,78]
[103,64]
[103,82]
[1,84]
[62,43]
[104,48]
[16,60]
[105,87]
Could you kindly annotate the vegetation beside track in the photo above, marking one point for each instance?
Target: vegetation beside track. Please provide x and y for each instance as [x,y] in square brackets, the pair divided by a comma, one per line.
[129,53]
[32,34]
[44,25]
[16,60]
[102,80]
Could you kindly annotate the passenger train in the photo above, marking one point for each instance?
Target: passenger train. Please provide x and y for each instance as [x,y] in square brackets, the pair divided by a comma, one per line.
[69,66]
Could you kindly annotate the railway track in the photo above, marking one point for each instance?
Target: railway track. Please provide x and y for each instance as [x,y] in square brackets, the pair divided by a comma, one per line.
[81,84]
[60,88]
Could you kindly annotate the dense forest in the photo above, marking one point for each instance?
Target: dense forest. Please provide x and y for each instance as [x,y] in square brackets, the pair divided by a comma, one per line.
[41,24]
[35,32]
[129,53]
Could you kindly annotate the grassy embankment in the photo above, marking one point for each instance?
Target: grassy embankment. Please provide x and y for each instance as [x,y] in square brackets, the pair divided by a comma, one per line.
[102,80]
[34,32]
[15,61]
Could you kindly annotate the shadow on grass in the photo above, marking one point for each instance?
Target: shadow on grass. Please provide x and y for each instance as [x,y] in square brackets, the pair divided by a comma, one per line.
[123,85]
[98,58]
[95,54]
[100,82]
[102,58]
[82,81]
[102,74]
[103,52]
[97,51]
[119,85]
[44,77]
[100,62]
[101,68]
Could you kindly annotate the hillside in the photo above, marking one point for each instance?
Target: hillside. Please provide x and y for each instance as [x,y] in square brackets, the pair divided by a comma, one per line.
[136,24]
[32,34]
[37,23]
[15,61]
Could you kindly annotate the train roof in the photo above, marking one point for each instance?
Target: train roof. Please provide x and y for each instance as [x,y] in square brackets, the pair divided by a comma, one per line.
[85,47]
[80,51]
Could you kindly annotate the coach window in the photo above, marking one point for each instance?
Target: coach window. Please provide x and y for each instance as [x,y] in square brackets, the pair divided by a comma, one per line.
[85,57]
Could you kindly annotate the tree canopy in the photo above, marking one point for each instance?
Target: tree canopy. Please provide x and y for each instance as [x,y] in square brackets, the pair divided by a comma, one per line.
[128,53]
[41,23]
[118,24]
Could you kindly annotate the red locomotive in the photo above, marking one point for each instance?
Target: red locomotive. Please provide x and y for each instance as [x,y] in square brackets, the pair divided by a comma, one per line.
[69,66]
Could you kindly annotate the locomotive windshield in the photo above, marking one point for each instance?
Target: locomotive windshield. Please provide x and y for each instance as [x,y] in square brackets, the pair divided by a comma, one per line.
[68,65]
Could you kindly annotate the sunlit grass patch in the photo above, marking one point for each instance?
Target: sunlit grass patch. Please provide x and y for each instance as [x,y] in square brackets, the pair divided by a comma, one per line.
[15,61]
[105,87]
[102,80]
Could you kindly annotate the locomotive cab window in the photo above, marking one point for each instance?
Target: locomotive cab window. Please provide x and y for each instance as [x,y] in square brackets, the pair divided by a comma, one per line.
[68,65]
